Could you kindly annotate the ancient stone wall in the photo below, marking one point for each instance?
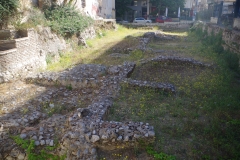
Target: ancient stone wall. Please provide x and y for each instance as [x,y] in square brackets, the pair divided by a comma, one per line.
[230,37]
[24,52]
[19,58]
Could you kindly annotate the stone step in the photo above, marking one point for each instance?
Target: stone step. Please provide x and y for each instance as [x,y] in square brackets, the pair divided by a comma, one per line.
[5,34]
[7,44]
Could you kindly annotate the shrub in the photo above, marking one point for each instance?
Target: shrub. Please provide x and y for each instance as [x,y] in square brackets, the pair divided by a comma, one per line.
[214,42]
[232,60]
[66,21]
[35,18]
[8,8]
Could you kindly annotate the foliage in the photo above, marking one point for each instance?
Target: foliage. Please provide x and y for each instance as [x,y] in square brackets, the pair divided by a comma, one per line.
[171,4]
[7,9]
[66,21]
[205,107]
[204,15]
[29,147]
[121,7]
[159,156]
[227,58]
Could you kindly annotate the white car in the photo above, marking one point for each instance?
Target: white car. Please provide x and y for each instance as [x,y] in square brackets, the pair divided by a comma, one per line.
[141,20]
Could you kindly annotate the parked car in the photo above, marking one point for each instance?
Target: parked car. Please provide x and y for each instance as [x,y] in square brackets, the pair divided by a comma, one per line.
[162,19]
[141,20]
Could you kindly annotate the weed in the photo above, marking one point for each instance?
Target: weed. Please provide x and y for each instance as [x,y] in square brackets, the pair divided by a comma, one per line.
[203,95]
[29,147]
[69,87]
[55,108]
[137,55]
[8,9]
[159,156]
[66,21]
[49,59]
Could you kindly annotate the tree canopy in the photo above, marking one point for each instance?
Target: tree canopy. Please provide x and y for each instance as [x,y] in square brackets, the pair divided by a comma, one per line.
[171,4]
[121,7]
[7,9]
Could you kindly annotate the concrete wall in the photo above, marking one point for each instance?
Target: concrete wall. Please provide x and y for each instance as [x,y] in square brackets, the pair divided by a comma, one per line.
[214,20]
[188,3]
[236,23]
[107,9]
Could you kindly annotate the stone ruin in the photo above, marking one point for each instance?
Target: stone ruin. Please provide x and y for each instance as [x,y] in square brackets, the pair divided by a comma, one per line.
[26,51]
[82,129]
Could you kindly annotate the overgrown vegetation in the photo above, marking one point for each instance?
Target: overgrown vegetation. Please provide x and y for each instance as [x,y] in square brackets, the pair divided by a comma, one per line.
[8,9]
[36,17]
[66,21]
[223,57]
[159,156]
[33,154]
[202,120]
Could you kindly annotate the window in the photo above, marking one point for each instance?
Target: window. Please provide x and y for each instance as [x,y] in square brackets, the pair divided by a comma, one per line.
[135,3]
[144,3]
[83,3]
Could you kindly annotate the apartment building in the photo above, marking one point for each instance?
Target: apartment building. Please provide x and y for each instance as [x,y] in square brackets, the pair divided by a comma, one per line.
[95,8]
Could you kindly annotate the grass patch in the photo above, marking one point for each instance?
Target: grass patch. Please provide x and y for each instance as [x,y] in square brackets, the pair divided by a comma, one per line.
[33,153]
[202,120]
[100,48]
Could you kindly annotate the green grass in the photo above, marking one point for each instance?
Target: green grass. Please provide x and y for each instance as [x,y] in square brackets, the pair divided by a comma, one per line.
[202,120]
[99,49]
[33,153]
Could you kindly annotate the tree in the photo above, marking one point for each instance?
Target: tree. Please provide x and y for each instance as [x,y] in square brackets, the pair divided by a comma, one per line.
[121,7]
[171,4]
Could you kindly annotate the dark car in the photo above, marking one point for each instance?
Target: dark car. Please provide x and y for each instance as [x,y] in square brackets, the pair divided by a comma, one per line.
[162,19]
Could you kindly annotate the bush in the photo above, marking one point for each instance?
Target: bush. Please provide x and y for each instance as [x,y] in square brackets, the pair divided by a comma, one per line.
[66,21]
[232,60]
[8,8]
[214,42]
[35,18]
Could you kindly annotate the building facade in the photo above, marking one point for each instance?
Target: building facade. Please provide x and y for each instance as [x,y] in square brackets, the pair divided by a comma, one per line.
[138,8]
[95,8]
[189,11]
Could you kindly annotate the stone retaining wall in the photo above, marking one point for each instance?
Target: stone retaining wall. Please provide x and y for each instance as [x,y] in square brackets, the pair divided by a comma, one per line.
[174,25]
[230,37]
[20,57]
[24,52]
